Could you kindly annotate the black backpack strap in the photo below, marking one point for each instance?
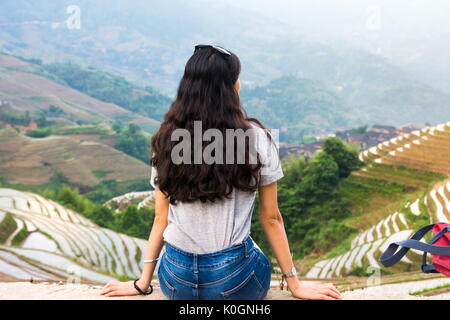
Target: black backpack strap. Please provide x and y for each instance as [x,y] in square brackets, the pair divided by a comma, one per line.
[391,256]
[427,267]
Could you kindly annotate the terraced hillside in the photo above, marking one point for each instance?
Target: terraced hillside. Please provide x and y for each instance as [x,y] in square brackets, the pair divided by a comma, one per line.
[30,92]
[427,149]
[141,199]
[415,163]
[34,161]
[42,240]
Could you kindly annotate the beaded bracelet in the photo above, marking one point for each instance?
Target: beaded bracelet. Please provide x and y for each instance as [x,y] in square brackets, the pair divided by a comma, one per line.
[144,293]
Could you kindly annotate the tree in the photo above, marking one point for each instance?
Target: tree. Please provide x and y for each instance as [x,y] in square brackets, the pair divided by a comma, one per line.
[321,177]
[345,157]
[41,120]
[134,143]
[117,126]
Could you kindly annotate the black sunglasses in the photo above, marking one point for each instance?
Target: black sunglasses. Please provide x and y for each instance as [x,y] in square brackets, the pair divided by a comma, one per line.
[219,49]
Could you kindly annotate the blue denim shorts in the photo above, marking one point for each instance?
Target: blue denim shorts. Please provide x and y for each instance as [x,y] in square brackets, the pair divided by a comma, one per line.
[241,272]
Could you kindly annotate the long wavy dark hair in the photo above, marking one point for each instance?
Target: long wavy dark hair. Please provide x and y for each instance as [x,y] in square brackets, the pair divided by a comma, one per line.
[206,93]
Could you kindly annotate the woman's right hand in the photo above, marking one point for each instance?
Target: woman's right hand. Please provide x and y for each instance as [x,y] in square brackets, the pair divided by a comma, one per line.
[323,291]
[117,288]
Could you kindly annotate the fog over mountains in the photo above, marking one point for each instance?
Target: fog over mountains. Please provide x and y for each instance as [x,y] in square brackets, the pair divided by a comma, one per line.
[360,51]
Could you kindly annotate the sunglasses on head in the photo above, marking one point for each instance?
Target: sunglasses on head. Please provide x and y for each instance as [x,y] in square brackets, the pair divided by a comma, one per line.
[217,48]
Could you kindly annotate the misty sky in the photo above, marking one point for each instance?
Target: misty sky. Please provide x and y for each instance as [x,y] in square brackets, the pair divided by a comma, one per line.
[405,18]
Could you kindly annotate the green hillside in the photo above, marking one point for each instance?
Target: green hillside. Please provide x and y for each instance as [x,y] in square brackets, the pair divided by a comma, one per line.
[25,90]
[109,88]
[89,161]
[45,241]
[403,186]
[300,107]
[143,42]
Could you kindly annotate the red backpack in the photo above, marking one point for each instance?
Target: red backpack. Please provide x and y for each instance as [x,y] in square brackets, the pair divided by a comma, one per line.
[438,247]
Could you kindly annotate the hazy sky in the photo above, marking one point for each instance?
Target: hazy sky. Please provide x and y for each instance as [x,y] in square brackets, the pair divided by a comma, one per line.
[346,17]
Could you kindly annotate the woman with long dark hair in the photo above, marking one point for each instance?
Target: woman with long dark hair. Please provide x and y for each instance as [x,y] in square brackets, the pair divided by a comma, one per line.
[208,161]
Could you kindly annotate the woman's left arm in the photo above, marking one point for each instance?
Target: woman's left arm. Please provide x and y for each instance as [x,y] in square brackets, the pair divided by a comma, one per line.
[154,246]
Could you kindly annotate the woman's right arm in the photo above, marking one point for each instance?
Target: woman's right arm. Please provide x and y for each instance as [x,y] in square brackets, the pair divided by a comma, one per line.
[155,241]
[273,226]
[154,246]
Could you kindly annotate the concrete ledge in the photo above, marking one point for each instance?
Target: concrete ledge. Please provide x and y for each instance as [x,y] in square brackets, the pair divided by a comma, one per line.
[55,291]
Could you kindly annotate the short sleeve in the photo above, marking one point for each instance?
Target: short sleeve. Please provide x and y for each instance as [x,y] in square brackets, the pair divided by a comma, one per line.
[271,169]
[153,175]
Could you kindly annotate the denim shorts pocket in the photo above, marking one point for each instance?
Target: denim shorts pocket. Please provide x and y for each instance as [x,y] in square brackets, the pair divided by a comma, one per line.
[249,289]
[167,289]
[263,259]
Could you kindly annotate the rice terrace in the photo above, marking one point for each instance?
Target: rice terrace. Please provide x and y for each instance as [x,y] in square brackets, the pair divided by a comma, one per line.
[353,100]
[41,239]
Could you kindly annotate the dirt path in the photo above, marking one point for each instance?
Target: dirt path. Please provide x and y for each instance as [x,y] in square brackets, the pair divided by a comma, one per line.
[54,291]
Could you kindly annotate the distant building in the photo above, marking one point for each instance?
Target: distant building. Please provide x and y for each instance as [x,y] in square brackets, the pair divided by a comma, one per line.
[296,150]
[375,135]
[407,128]
[5,103]
[384,129]
[325,136]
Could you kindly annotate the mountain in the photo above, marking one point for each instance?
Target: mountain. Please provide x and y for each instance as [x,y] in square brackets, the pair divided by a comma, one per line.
[83,160]
[299,107]
[149,43]
[42,240]
[26,90]
[413,173]
[146,40]
[30,92]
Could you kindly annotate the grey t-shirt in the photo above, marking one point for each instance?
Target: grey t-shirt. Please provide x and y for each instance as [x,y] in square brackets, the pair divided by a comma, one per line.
[201,228]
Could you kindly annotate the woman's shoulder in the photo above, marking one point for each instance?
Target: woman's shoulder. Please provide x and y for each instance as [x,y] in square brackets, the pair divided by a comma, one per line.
[262,133]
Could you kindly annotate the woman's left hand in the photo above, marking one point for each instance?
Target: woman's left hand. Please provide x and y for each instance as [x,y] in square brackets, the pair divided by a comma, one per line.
[117,288]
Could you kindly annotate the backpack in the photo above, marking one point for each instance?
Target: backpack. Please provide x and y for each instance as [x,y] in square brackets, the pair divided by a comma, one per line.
[438,247]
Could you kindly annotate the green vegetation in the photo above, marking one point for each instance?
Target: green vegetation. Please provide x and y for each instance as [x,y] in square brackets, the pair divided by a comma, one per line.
[39,133]
[341,247]
[101,173]
[124,277]
[422,219]
[54,111]
[7,227]
[406,172]
[356,130]
[312,204]
[108,189]
[100,193]
[420,292]
[298,107]
[308,139]
[117,126]
[20,236]
[131,221]
[132,142]
[49,236]
[138,255]
[15,117]
[109,88]
[343,155]
[83,129]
